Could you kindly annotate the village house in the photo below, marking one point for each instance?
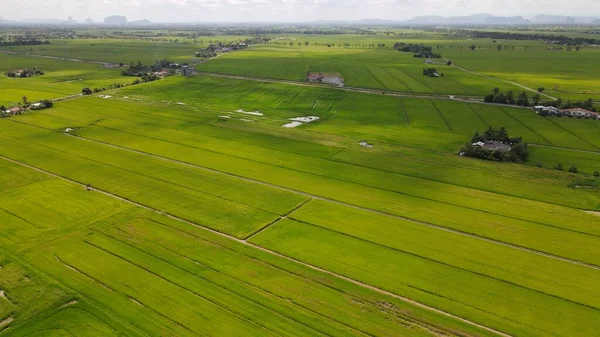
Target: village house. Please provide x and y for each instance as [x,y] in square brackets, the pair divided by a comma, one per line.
[579,112]
[187,70]
[313,77]
[549,110]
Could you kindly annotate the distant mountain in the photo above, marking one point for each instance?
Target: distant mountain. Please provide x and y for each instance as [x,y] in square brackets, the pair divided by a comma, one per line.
[596,22]
[2,19]
[115,20]
[477,19]
[89,21]
[139,23]
[544,19]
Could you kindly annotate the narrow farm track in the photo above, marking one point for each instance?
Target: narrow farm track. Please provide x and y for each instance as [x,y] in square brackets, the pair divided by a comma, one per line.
[384,92]
[337,202]
[505,81]
[245,242]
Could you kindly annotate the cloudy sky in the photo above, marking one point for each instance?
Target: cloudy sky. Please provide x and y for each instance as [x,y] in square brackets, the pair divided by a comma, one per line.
[284,10]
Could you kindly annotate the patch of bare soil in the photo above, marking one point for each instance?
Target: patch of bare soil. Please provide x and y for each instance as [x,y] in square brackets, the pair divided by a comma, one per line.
[593,213]
[6,322]
[68,304]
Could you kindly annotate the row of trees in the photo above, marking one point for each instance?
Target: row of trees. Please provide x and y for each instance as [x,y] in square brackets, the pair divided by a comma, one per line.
[556,39]
[22,42]
[497,96]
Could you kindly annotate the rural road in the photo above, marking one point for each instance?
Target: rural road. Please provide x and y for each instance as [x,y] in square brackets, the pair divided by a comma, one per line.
[245,242]
[358,89]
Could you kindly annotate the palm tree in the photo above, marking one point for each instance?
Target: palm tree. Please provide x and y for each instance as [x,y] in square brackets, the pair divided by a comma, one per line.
[496,91]
[24,98]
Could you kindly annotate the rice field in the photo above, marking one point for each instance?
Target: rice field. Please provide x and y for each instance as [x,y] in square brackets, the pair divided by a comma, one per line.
[183,207]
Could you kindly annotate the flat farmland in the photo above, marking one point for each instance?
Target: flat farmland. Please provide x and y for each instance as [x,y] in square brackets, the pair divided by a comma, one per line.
[184,207]
[369,68]
[62,78]
[181,266]
[124,50]
[570,75]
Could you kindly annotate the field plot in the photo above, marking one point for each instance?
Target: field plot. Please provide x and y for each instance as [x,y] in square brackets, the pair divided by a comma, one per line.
[164,264]
[369,68]
[387,192]
[570,75]
[62,78]
[184,207]
[353,246]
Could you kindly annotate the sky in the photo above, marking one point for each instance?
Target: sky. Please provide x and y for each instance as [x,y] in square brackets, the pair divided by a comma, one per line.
[283,10]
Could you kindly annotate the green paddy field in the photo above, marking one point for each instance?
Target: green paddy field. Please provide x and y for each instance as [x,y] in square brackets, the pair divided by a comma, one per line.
[183,207]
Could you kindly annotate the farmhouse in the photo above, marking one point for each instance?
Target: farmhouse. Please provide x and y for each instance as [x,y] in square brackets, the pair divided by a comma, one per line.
[493,145]
[314,77]
[546,110]
[187,71]
[579,112]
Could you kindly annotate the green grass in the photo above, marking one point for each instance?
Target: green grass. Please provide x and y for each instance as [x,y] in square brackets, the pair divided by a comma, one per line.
[190,278]
[408,216]
[369,68]
[491,302]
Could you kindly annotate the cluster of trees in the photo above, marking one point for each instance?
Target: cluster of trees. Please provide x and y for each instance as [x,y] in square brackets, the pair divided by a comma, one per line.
[432,72]
[419,50]
[517,151]
[22,41]
[140,69]
[499,97]
[28,72]
[557,39]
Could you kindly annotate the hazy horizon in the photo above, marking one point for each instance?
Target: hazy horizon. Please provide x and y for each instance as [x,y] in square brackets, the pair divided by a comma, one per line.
[282,10]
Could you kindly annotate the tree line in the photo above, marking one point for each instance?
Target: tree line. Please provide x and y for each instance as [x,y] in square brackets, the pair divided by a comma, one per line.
[560,39]
[497,96]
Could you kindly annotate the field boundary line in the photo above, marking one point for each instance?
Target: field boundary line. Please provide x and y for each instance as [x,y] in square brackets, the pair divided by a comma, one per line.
[387,70]
[339,276]
[220,273]
[314,196]
[404,110]
[441,114]
[527,126]
[216,304]
[317,197]
[502,80]
[478,115]
[571,133]
[564,148]
[272,223]
[382,92]
[292,273]
[511,283]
